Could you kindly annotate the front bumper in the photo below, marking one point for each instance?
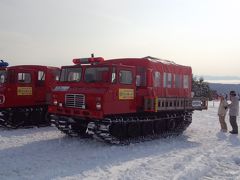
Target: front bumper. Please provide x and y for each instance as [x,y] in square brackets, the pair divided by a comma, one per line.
[75,112]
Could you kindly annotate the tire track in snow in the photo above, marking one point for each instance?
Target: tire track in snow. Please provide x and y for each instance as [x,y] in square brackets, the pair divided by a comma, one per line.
[150,167]
[210,160]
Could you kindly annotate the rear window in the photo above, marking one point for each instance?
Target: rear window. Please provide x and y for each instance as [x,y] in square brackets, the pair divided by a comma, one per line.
[125,77]
[24,77]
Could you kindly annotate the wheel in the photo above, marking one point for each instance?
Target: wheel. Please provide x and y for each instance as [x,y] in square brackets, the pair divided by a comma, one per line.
[159,126]
[147,128]
[15,119]
[79,128]
[118,130]
[171,125]
[134,129]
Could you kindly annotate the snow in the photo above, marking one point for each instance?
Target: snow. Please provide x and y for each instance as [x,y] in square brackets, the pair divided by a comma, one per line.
[202,152]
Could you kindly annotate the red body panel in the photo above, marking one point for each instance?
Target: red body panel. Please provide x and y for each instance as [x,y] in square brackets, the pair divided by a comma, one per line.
[166,67]
[28,85]
[118,98]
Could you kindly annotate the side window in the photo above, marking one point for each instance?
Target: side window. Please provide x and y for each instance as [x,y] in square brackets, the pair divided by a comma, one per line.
[177,81]
[24,77]
[156,79]
[169,80]
[125,77]
[185,81]
[174,80]
[165,80]
[113,78]
[41,76]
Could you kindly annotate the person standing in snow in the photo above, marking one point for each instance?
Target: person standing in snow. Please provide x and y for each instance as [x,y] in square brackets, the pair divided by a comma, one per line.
[222,111]
[233,112]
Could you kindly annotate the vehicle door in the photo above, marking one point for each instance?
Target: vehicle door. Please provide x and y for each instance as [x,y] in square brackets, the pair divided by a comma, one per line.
[40,83]
[126,89]
[21,88]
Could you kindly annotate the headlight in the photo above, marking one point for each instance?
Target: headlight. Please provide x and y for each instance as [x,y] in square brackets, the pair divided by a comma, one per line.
[55,102]
[98,106]
[60,104]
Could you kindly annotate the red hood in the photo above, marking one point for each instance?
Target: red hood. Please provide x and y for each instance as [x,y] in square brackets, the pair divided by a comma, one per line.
[81,90]
[87,90]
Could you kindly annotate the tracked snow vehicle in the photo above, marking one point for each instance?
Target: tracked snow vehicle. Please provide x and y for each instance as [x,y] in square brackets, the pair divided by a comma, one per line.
[121,99]
[25,94]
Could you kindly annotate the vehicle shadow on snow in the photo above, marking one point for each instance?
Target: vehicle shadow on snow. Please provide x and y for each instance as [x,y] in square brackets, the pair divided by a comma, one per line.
[65,156]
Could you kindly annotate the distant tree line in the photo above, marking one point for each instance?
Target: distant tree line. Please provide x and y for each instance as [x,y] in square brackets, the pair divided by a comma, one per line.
[202,89]
[224,89]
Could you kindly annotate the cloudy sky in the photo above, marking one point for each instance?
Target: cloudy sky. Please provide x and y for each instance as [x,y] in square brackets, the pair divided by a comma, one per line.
[204,34]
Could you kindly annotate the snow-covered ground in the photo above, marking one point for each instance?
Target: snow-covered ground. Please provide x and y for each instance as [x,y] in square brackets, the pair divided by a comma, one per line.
[202,152]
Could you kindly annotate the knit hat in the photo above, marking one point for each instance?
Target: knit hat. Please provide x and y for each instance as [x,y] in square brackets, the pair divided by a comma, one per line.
[232,93]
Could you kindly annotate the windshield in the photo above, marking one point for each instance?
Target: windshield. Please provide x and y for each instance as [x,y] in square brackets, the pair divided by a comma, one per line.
[2,76]
[97,74]
[71,74]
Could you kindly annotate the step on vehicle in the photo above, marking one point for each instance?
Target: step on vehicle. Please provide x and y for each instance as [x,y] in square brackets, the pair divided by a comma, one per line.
[25,93]
[119,100]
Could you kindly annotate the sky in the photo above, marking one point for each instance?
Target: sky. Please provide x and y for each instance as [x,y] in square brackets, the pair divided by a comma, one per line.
[203,34]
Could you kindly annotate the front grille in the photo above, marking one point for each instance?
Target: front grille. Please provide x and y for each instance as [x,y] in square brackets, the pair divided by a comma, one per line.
[75,100]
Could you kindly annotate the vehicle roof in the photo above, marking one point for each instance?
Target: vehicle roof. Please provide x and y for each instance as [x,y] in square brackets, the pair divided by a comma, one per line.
[32,67]
[147,61]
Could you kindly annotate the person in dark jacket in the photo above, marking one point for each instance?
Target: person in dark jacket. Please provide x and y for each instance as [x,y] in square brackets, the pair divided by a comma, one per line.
[233,112]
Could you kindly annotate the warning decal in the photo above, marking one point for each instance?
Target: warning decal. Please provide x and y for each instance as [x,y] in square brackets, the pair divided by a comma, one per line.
[24,91]
[126,94]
